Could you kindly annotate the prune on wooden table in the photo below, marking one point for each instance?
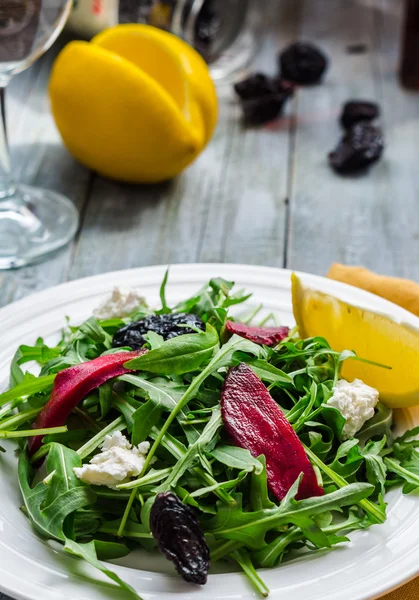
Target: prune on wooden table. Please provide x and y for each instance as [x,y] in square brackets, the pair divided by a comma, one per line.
[361,146]
[168,326]
[303,62]
[255,86]
[355,111]
[180,538]
[263,98]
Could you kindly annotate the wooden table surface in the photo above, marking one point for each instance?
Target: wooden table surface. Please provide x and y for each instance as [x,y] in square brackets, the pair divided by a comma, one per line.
[259,196]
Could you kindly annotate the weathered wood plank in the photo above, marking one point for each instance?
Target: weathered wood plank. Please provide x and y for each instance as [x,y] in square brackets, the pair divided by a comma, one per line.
[350,219]
[400,187]
[247,211]
[229,206]
[146,225]
[39,158]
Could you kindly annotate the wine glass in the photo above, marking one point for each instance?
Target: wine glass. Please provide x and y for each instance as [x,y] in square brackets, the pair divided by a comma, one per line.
[33,221]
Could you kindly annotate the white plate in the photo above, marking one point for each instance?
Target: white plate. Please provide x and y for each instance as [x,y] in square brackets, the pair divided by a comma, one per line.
[374,562]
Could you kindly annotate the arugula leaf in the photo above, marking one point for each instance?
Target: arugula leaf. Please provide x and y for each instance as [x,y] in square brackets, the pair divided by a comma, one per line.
[222,359]
[404,472]
[94,331]
[88,553]
[378,426]
[271,554]
[237,458]
[132,530]
[110,550]
[48,509]
[375,512]
[375,467]
[154,339]
[178,355]
[267,372]
[105,398]
[145,418]
[348,459]
[259,496]
[39,353]
[220,485]
[164,308]
[28,386]
[162,392]
[243,559]
[191,454]
[250,528]
[319,438]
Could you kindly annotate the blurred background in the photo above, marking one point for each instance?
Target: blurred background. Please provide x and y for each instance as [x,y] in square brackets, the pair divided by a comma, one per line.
[257,194]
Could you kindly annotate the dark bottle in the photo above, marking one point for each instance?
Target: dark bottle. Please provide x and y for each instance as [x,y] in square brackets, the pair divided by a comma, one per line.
[410,46]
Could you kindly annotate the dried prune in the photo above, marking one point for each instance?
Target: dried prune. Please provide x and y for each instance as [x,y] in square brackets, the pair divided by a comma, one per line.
[179,537]
[358,110]
[263,98]
[361,146]
[302,62]
[168,326]
[255,86]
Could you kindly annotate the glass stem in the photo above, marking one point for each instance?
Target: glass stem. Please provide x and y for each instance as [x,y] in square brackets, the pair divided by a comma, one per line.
[7,186]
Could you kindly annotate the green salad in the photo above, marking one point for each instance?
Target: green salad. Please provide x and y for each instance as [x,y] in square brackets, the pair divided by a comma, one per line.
[203,436]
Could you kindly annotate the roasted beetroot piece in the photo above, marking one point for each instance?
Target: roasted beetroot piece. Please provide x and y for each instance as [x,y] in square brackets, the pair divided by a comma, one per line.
[254,421]
[360,147]
[263,98]
[269,336]
[358,110]
[74,384]
[180,538]
[303,63]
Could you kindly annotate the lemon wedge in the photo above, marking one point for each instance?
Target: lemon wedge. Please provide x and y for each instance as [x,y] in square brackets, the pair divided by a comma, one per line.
[372,336]
[135,104]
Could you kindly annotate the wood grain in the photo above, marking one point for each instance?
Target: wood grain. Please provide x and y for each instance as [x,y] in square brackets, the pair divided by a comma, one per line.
[335,217]
[369,219]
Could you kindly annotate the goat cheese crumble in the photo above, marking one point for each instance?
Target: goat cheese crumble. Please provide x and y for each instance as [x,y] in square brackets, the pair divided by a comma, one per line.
[117,463]
[120,303]
[356,402]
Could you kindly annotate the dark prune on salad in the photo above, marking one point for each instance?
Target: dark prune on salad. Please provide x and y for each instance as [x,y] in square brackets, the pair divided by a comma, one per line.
[180,538]
[361,146]
[263,98]
[168,326]
[355,111]
[303,63]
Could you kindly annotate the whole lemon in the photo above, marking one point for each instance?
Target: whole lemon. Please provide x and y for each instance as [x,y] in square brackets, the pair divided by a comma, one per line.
[135,104]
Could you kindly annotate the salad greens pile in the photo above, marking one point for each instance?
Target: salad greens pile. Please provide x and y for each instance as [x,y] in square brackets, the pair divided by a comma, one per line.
[173,400]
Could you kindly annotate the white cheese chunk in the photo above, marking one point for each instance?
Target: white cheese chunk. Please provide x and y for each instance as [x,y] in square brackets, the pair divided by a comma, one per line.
[118,462]
[356,402]
[121,303]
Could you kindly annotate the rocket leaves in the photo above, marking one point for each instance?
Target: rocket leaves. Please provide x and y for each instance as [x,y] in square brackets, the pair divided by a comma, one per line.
[172,400]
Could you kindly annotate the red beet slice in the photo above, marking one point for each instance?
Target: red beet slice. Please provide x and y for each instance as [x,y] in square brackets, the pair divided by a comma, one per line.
[255,422]
[73,384]
[260,335]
